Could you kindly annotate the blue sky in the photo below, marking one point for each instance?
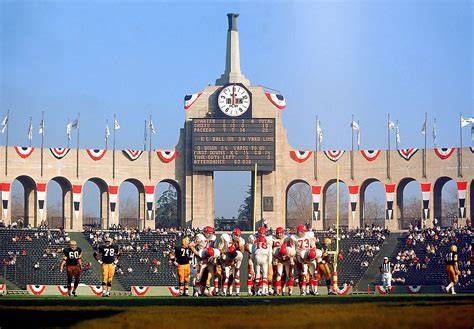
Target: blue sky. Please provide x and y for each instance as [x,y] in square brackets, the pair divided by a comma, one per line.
[331,59]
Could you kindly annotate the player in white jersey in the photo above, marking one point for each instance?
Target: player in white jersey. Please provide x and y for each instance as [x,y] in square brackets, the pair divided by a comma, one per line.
[249,248]
[261,261]
[202,241]
[303,241]
[283,261]
[208,259]
[309,270]
[231,266]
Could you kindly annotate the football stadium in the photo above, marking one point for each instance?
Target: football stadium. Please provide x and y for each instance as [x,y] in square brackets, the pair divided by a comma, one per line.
[233,226]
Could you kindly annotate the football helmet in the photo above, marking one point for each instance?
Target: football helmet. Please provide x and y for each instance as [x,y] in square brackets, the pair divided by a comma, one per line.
[301,230]
[208,231]
[454,248]
[279,232]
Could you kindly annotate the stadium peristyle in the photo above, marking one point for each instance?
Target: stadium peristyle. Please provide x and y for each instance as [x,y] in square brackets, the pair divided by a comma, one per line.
[235,126]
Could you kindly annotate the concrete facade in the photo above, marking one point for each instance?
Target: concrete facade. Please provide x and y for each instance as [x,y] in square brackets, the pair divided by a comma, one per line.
[196,189]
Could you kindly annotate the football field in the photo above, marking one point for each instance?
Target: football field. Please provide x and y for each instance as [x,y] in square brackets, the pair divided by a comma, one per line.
[355,311]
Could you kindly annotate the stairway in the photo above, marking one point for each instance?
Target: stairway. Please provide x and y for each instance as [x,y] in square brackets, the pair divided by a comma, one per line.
[386,250]
[88,256]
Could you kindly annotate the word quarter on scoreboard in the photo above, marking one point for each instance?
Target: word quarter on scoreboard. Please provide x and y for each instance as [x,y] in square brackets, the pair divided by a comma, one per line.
[233,144]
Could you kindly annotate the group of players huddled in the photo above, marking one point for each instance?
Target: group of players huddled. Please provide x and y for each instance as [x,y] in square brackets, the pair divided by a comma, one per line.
[274,261]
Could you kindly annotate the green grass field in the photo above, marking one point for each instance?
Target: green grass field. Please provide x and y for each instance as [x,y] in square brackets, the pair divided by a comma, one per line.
[354,311]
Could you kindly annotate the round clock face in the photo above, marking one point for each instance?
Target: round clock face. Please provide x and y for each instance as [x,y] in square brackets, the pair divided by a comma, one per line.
[234,100]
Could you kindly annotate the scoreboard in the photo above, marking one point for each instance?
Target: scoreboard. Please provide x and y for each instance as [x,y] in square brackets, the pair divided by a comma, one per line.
[233,144]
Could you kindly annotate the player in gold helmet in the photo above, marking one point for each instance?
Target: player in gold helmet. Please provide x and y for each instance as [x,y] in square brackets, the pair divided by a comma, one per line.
[452,270]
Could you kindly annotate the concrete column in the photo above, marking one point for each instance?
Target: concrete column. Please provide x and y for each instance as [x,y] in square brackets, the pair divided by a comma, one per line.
[104,209]
[141,209]
[68,212]
[30,207]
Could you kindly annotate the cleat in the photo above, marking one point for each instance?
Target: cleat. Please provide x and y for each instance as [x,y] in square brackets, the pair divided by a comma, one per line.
[74,293]
[303,293]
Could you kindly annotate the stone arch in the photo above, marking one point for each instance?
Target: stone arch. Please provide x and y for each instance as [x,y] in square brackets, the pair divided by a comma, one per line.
[100,219]
[63,216]
[445,210]
[410,211]
[173,183]
[26,215]
[373,212]
[329,200]
[131,215]
[298,203]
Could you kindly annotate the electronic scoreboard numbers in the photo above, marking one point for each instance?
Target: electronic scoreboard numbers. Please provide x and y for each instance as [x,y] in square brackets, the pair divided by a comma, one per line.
[233,144]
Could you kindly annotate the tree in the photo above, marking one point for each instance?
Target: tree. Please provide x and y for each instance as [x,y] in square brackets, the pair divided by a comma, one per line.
[373,209]
[299,205]
[330,207]
[246,208]
[167,209]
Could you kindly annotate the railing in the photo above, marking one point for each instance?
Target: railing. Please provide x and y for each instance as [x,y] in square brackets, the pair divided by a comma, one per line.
[228,224]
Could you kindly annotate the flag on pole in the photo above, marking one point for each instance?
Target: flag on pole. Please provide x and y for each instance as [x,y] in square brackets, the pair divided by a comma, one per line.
[68,131]
[4,123]
[319,131]
[434,133]
[472,133]
[466,121]
[74,124]
[30,132]
[391,125]
[116,125]
[107,132]
[152,128]
[355,126]
[397,134]
[423,129]
[41,127]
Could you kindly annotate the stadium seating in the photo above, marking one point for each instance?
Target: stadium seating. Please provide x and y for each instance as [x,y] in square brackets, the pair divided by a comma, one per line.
[31,256]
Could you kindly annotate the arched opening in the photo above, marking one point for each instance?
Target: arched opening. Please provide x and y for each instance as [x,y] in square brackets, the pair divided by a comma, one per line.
[168,204]
[23,202]
[372,203]
[445,201]
[59,203]
[131,203]
[330,200]
[409,203]
[95,204]
[298,204]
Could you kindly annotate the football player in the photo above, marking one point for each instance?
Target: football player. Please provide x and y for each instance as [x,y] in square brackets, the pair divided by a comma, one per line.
[72,258]
[182,257]
[307,260]
[261,261]
[323,264]
[249,248]
[303,241]
[231,266]
[107,255]
[452,269]
[208,259]
[283,259]
[278,258]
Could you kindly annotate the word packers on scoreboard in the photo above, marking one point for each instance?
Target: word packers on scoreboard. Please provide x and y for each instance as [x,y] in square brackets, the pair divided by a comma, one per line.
[233,144]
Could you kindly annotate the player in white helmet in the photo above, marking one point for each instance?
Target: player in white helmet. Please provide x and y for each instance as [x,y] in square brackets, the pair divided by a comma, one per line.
[303,241]
[283,261]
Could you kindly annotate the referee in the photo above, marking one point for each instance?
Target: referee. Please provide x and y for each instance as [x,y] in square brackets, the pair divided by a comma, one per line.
[182,257]
[386,269]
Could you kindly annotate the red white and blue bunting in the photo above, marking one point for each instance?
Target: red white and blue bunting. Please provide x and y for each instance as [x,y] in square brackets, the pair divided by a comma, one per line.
[277,100]
[132,154]
[414,289]
[63,290]
[342,291]
[390,195]
[167,156]
[407,153]
[316,193]
[41,194]
[3,289]
[174,291]
[5,188]
[370,155]
[24,152]
[190,99]
[36,289]
[140,290]
[444,153]
[354,196]
[425,192]
[462,187]
[334,155]
[300,156]
[96,155]
[113,193]
[96,290]
[76,199]
[59,152]
[382,291]
[149,197]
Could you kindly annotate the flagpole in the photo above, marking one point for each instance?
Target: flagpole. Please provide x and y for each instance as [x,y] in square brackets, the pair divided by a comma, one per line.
[316,152]
[77,150]
[424,150]
[6,143]
[149,151]
[337,218]
[460,146]
[352,149]
[42,140]
[113,152]
[388,151]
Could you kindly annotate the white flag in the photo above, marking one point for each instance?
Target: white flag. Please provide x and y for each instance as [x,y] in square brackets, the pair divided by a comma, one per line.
[423,129]
[319,132]
[4,123]
[152,128]
[116,124]
[30,132]
[68,131]
[355,125]
[397,134]
[41,128]
[472,133]
[434,133]
[466,121]
[75,123]
[391,125]
[107,132]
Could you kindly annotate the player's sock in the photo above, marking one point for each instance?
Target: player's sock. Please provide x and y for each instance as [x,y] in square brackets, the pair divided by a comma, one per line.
[237,286]
[278,286]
